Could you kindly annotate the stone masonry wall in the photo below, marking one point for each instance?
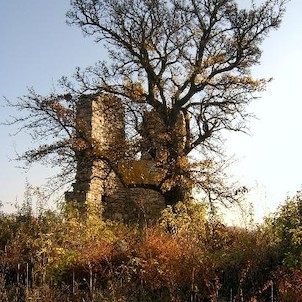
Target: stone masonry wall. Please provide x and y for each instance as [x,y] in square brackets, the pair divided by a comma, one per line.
[100,126]
[100,122]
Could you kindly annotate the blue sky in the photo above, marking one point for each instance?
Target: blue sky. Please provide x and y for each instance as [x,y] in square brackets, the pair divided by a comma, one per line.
[37,48]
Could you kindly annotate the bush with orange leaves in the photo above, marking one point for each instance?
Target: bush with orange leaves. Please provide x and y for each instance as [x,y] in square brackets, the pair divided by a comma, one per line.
[169,261]
[289,284]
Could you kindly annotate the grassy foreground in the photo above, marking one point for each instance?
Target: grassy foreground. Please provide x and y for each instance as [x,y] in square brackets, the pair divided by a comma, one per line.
[186,256]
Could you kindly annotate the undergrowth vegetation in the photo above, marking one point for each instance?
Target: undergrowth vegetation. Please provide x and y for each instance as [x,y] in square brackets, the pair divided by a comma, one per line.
[188,255]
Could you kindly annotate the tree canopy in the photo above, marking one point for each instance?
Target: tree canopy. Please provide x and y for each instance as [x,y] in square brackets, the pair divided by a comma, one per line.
[181,68]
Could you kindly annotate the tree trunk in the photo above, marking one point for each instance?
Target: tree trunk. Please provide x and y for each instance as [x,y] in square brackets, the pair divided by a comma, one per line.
[165,144]
[175,194]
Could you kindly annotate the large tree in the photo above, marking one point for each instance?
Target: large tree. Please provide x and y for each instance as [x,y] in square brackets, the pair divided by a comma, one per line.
[182,69]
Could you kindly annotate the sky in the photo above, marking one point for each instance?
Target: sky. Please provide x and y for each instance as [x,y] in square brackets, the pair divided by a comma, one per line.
[37,48]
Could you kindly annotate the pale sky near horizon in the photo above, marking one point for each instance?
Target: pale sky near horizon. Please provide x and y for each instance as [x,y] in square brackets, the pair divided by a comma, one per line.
[37,48]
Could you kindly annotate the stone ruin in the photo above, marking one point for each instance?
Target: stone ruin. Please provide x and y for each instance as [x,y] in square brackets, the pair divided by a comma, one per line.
[123,193]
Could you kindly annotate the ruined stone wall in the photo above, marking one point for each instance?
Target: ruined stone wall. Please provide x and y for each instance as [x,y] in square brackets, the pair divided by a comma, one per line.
[135,203]
[100,122]
[100,129]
